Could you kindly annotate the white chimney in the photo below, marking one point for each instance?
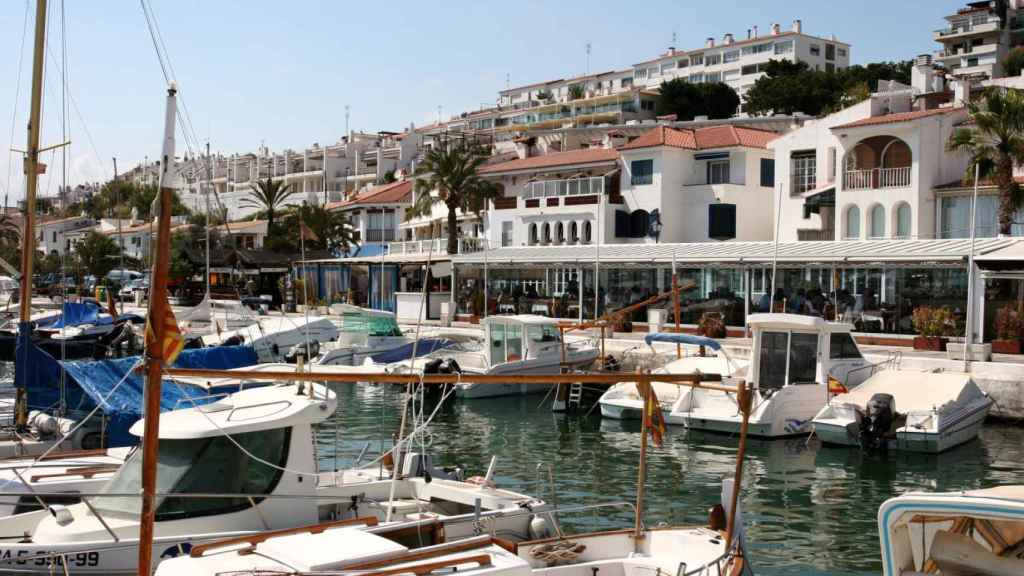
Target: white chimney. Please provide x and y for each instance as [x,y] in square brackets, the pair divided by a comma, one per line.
[961,92]
[727,39]
[797,26]
[710,43]
[755,30]
[775,29]
[922,74]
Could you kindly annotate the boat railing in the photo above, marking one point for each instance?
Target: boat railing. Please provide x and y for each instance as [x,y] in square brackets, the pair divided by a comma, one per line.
[893,359]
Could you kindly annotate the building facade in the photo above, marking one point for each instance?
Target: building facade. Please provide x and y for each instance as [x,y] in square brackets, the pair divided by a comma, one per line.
[977,38]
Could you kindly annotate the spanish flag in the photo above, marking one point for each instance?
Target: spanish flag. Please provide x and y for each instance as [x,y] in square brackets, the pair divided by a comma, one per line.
[653,418]
[835,386]
[173,342]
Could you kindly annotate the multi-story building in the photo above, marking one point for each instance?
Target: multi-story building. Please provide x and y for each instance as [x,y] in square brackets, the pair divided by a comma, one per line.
[375,216]
[978,37]
[739,62]
[873,170]
[54,235]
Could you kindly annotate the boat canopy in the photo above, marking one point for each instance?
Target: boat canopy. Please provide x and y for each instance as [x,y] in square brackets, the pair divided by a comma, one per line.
[783,321]
[88,384]
[405,351]
[76,314]
[675,338]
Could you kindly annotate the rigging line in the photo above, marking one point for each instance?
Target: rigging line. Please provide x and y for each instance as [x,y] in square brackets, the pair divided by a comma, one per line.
[17,97]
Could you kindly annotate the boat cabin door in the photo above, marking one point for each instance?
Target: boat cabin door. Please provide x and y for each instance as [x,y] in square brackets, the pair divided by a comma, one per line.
[783,357]
[504,342]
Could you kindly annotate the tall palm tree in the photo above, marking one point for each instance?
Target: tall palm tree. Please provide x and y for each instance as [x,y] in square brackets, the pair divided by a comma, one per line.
[267,195]
[10,232]
[324,229]
[995,143]
[451,169]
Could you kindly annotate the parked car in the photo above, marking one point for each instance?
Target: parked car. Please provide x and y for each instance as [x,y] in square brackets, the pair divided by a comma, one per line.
[138,285]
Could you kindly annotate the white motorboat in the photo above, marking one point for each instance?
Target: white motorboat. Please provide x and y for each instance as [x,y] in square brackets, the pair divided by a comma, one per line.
[276,338]
[514,345]
[239,465]
[211,316]
[974,532]
[793,359]
[366,335]
[906,410]
[368,548]
[623,402]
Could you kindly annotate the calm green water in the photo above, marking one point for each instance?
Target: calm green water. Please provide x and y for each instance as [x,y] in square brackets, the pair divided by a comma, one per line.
[809,509]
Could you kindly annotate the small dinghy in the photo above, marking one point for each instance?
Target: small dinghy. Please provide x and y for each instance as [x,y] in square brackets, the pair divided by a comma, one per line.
[975,532]
[906,410]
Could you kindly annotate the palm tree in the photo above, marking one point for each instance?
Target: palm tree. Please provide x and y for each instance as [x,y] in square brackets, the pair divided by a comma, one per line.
[325,229]
[995,144]
[10,232]
[452,170]
[267,195]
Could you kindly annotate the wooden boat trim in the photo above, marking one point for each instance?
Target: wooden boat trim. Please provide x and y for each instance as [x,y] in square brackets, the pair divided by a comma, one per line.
[442,550]
[482,560]
[254,539]
[83,471]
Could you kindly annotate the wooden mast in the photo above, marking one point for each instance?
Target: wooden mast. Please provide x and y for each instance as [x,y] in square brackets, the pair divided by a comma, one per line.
[28,234]
[154,342]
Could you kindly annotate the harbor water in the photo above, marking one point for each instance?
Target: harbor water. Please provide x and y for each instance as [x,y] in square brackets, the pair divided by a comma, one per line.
[809,509]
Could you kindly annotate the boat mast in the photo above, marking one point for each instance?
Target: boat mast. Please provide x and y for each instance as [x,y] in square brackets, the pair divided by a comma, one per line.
[28,235]
[154,343]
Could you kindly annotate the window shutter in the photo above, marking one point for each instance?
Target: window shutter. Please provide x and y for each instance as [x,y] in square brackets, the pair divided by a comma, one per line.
[621,224]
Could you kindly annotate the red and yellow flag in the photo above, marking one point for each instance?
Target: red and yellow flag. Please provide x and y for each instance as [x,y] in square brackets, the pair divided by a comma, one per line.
[654,420]
[111,306]
[835,386]
[173,342]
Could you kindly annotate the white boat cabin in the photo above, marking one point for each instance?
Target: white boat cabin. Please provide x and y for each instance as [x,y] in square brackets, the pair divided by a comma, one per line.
[796,349]
[520,337]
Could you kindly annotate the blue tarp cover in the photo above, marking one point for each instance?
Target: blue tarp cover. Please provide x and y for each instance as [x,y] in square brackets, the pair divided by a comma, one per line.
[404,352]
[75,314]
[682,339]
[89,382]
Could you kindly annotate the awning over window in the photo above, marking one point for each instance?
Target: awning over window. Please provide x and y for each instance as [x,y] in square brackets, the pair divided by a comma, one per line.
[814,201]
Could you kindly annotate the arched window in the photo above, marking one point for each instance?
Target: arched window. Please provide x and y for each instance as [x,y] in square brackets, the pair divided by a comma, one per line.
[878,221]
[587,232]
[574,232]
[639,223]
[560,233]
[903,221]
[546,236]
[533,234]
[853,223]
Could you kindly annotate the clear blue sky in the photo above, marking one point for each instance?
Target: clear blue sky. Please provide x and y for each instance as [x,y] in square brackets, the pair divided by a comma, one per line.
[282,72]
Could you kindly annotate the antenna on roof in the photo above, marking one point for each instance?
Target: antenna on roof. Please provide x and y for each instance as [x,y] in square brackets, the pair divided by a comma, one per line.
[508,80]
[588,59]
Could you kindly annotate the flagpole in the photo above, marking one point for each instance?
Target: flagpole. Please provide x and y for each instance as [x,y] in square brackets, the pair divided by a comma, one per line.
[969,320]
[305,276]
[675,300]
[638,532]
[154,352]
[775,256]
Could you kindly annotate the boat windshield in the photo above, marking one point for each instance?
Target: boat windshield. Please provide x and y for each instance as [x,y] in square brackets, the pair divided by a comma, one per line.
[371,325]
[213,465]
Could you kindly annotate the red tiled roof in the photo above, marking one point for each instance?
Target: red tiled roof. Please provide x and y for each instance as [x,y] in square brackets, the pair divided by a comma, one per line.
[393,193]
[567,158]
[897,117]
[703,138]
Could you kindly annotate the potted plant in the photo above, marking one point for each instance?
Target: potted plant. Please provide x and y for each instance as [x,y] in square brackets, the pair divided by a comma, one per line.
[932,325]
[1009,329]
[712,325]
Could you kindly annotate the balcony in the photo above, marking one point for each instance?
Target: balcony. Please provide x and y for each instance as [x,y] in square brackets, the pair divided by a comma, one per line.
[569,187]
[436,246]
[380,235]
[974,27]
[811,234]
[873,178]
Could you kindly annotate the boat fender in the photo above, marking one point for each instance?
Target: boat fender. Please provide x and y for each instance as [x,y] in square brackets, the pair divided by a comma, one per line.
[716,517]
[46,425]
[539,529]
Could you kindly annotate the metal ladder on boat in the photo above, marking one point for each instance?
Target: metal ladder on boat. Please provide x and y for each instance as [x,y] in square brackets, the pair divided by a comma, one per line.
[575,395]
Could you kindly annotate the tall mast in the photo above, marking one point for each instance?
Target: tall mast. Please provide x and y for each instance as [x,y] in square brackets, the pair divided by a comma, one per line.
[209,182]
[28,235]
[154,343]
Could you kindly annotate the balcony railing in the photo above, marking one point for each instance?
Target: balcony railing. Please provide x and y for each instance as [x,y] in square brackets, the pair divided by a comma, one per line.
[380,235]
[437,246]
[810,234]
[877,178]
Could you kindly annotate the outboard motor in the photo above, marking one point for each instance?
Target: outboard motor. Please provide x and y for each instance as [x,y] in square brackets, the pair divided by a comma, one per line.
[300,350]
[440,366]
[611,363]
[877,420]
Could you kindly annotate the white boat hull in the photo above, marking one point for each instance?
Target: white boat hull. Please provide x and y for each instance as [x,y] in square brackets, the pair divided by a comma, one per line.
[575,360]
[786,412]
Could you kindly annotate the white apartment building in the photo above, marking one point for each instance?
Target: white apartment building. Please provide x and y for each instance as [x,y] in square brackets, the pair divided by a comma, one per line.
[56,235]
[667,185]
[978,37]
[245,234]
[318,174]
[874,170]
[739,62]
[376,215]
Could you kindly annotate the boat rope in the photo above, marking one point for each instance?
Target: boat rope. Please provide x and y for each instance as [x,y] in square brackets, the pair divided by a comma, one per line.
[17,98]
